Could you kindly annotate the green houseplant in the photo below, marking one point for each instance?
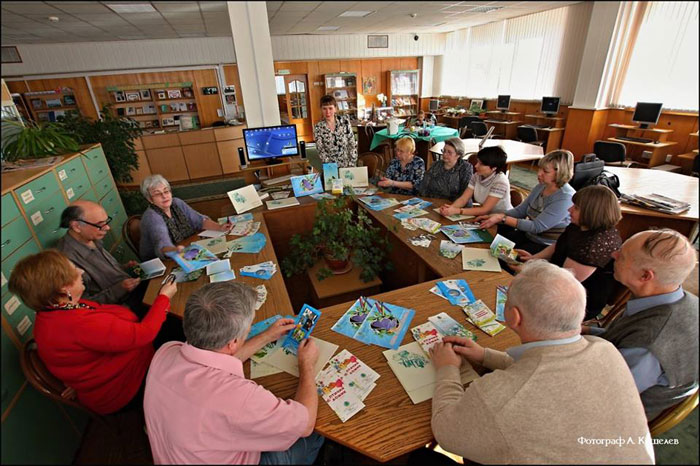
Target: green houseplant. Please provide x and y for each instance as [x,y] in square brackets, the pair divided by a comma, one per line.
[35,140]
[339,234]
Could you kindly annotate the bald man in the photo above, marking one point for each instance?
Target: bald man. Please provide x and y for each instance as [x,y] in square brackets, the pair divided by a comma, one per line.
[535,407]
[105,279]
[657,333]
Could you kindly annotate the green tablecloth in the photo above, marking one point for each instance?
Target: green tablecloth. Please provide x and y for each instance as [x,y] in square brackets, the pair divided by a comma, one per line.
[438,133]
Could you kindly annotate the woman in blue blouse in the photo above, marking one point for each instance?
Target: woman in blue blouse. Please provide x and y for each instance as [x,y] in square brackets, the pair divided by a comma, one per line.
[406,171]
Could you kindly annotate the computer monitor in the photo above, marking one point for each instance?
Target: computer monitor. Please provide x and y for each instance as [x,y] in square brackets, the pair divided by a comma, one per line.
[434,105]
[646,114]
[550,105]
[271,142]
[503,103]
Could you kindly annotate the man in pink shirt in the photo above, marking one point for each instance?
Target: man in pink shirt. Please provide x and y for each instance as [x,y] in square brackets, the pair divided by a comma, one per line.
[200,408]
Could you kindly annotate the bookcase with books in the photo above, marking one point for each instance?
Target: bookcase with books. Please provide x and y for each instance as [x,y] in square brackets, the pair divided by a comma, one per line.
[404,92]
[50,105]
[157,105]
[343,86]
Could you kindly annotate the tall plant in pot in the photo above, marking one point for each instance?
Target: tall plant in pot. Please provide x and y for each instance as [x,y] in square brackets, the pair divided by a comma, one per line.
[343,237]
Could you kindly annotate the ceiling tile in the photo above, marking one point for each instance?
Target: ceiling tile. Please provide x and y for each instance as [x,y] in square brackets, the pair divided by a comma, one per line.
[27,8]
[213,6]
[180,7]
[81,7]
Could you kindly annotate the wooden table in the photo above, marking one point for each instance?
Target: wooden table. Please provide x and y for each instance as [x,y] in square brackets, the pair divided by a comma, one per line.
[339,288]
[510,128]
[644,181]
[657,148]
[390,425]
[517,151]
[277,298]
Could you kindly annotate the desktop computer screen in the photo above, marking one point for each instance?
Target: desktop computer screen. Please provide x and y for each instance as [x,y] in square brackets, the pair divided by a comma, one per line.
[434,105]
[503,102]
[271,142]
[550,105]
[646,114]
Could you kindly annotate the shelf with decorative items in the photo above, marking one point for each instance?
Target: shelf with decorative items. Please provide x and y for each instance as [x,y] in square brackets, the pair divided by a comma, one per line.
[51,105]
[404,91]
[343,87]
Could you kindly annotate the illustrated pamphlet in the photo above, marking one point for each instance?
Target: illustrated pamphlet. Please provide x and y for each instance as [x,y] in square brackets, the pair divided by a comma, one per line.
[147,270]
[252,244]
[337,186]
[417,202]
[378,203]
[501,297]
[461,234]
[192,258]
[351,321]
[330,173]
[218,267]
[280,203]
[279,194]
[409,211]
[306,184]
[181,276]
[427,336]
[284,359]
[244,199]
[455,217]
[235,218]
[479,259]
[245,228]
[354,176]
[214,245]
[224,276]
[502,248]
[374,322]
[336,392]
[263,270]
[425,224]
[261,296]
[261,369]
[457,292]
[414,370]
[359,376]
[481,316]
[211,233]
[449,249]
[449,327]
[303,326]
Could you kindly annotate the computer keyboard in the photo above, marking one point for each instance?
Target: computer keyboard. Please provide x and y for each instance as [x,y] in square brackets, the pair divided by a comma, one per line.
[277,180]
[629,138]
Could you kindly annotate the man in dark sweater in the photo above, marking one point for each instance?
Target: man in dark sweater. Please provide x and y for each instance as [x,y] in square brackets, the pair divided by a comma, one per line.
[658,332]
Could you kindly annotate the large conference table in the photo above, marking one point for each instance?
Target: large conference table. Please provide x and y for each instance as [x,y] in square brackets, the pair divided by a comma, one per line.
[517,151]
[390,425]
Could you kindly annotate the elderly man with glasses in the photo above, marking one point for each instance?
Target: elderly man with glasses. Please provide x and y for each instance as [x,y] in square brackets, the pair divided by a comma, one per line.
[106,281]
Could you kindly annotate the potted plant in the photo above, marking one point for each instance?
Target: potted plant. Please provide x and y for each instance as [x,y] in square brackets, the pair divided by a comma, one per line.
[31,140]
[342,236]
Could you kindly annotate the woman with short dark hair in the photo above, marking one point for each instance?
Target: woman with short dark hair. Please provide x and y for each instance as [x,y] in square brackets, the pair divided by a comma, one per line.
[449,177]
[489,186]
[333,135]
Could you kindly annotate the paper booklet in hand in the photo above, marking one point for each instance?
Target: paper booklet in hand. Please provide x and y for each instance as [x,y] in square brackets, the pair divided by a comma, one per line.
[193,257]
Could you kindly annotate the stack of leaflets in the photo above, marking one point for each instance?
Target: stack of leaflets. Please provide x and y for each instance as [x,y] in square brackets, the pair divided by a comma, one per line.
[407,225]
[455,217]
[181,276]
[417,202]
[220,271]
[345,383]
[214,245]
[261,296]
[279,195]
[457,292]
[409,211]
[378,203]
[320,196]
[449,249]
[479,259]
[245,228]
[501,297]
[193,257]
[425,224]
[374,322]
[261,369]
[280,203]
[247,244]
[656,202]
[480,315]
[422,240]
[502,248]
[235,218]
[466,233]
[147,270]
[361,191]
[264,270]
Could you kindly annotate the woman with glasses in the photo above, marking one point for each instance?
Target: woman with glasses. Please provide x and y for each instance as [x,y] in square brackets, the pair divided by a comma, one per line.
[100,351]
[168,220]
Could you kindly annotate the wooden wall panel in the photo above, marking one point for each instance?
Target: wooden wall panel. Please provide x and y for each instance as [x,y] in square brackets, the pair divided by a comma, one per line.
[577,129]
[143,171]
[17,87]
[315,91]
[80,89]
[202,160]
[169,162]
[231,76]
[373,68]
[207,105]
[228,155]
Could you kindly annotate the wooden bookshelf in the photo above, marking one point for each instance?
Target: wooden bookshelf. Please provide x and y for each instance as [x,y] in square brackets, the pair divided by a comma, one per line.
[343,86]
[404,92]
[50,105]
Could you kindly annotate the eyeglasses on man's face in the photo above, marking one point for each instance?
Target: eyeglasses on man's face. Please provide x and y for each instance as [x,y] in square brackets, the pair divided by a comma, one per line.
[98,225]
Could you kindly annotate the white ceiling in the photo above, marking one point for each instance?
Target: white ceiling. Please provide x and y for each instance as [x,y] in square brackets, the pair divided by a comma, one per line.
[28,23]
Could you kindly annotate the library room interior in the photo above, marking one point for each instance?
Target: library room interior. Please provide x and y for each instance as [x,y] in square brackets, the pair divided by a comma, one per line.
[349,232]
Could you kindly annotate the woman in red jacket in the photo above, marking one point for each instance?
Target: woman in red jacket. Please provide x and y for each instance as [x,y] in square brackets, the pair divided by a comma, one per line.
[102,351]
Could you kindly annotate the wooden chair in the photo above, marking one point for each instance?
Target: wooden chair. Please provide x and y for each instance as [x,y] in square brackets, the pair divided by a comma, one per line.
[674,415]
[423,151]
[517,196]
[131,231]
[372,161]
[617,303]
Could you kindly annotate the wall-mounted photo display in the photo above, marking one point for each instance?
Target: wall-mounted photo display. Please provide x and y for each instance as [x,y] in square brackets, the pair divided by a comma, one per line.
[230,99]
[161,94]
[119,96]
[145,94]
[53,103]
[174,94]
[149,109]
[164,108]
[121,112]
[187,92]
[230,90]
[37,103]
[69,100]
[168,121]
[191,107]
[132,96]
[130,111]
[211,90]
[139,110]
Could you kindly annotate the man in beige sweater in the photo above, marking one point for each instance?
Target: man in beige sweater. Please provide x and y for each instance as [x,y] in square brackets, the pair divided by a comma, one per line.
[557,398]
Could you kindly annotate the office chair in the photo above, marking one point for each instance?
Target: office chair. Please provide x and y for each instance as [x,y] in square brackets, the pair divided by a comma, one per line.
[465,126]
[478,128]
[528,134]
[131,231]
[612,153]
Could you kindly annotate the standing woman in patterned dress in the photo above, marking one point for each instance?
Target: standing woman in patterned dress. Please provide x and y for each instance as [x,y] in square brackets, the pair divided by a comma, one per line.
[334,138]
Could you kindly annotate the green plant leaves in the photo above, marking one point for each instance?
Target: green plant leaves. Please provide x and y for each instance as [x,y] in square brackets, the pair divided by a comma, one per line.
[35,140]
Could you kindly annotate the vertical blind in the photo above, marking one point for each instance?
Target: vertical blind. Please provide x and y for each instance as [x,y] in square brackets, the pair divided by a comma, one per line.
[663,66]
[521,56]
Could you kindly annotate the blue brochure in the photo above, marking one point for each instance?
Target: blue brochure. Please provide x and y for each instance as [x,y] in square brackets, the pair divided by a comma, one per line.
[461,235]
[252,244]
[501,298]
[457,292]
[236,218]
[304,325]
[417,202]
[385,325]
[351,321]
[330,172]
[378,202]
[264,325]
[193,257]
[306,184]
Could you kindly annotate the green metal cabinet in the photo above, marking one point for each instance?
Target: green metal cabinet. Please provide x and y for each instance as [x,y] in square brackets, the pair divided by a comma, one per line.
[18,315]
[12,377]
[46,218]
[96,164]
[74,179]
[10,210]
[37,191]
[14,234]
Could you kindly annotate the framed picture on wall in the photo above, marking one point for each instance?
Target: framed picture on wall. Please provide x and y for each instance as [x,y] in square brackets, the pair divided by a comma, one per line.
[378,41]
[174,94]
[130,111]
[139,110]
[145,94]
[119,97]
[161,95]
[53,103]
[210,90]
[133,96]
[187,92]
[37,103]
[69,100]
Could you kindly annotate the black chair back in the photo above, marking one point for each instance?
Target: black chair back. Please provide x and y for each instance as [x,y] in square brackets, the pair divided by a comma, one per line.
[609,151]
[527,133]
[463,122]
[478,128]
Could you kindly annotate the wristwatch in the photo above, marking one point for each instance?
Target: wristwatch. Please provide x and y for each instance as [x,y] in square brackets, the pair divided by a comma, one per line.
[503,220]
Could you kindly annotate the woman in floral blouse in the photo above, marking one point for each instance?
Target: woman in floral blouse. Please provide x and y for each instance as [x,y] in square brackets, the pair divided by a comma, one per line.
[406,171]
[334,138]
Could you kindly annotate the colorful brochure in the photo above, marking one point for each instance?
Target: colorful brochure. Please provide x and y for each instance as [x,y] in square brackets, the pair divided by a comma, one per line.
[385,325]
[354,176]
[337,186]
[264,270]
[214,245]
[284,359]
[502,248]
[409,211]
[414,370]
[193,257]
[280,203]
[455,217]
[501,297]
[425,224]
[417,202]
[224,276]
[457,292]
[449,249]
[245,228]
[304,325]
[461,234]
[360,377]
[261,369]
[247,244]
[280,194]
[261,296]
[481,316]
[330,173]
[378,203]
[306,184]
[427,336]
[218,267]
[351,321]
[244,199]
[335,391]
[235,218]
[449,327]
[147,270]
[181,276]
[479,259]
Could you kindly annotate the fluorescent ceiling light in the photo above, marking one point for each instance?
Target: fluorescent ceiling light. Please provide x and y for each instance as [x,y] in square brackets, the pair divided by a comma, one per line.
[131,7]
[485,9]
[328,28]
[356,13]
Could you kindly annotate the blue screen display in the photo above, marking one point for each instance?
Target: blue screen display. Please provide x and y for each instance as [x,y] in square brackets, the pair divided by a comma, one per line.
[270,142]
